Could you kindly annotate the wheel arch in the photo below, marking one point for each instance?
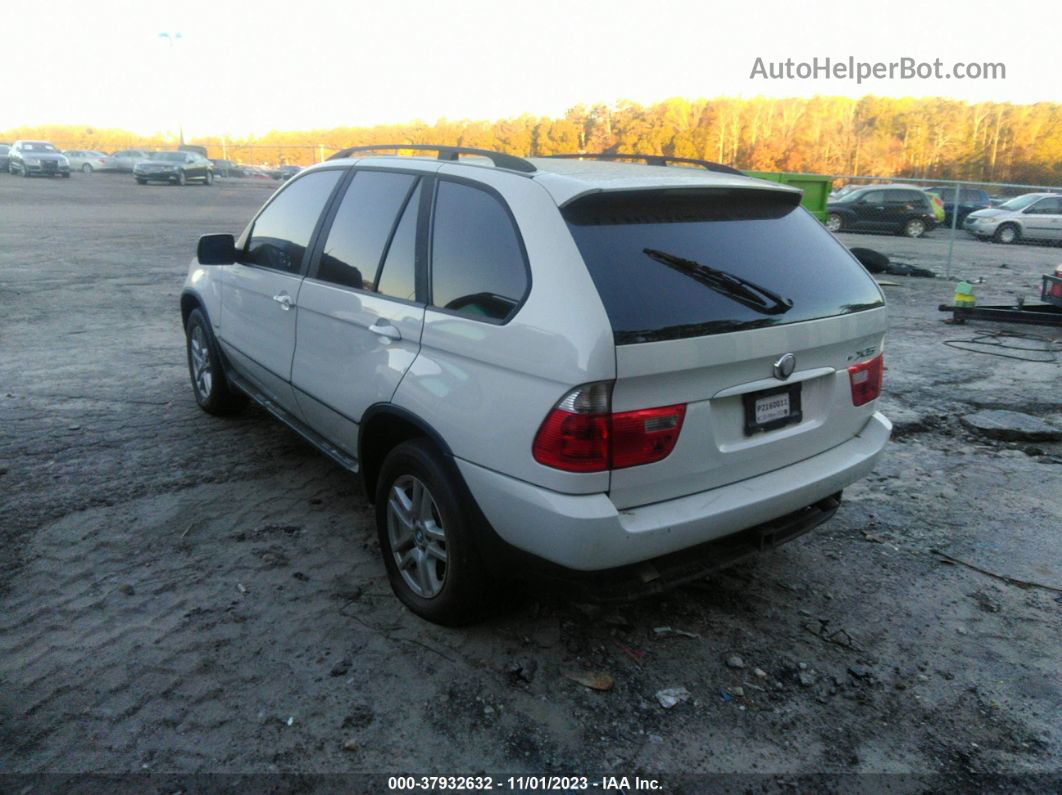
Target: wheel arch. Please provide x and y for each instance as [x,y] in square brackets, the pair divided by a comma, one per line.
[383,427]
[191,300]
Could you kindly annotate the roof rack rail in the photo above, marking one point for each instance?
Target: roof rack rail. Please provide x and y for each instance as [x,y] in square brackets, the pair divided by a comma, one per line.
[500,159]
[651,160]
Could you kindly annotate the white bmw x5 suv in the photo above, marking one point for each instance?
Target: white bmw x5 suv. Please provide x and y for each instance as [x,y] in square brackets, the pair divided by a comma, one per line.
[613,375]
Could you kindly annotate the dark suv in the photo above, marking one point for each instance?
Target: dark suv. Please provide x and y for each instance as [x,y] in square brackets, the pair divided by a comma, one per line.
[901,209]
[970,200]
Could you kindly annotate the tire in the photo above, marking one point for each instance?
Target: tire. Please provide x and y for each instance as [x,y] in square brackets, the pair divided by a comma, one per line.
[914,227]
[209,178]
[86,168]
[1007,234]
[834,222]
[451,590]
[140,181]
[66,175]
[211,388]
[24,170]
[181,178]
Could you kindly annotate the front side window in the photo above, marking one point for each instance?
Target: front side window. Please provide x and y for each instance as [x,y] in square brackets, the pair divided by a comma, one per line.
[282,232]
[362,226]
[873,197]
[478,266]
[1049,206]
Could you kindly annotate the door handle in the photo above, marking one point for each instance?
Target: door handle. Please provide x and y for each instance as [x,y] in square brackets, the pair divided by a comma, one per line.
[384,329]
[284,300]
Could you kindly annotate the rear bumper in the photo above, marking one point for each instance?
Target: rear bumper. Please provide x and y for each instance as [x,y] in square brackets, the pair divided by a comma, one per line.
[588,533]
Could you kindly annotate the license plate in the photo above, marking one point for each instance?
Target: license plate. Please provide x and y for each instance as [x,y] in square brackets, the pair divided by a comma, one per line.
[772,408]
[775,407]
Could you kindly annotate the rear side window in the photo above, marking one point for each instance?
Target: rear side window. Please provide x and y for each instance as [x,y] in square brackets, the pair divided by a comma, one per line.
[283,230]
[363,224]
[398,278]
[478,267]
[686,263]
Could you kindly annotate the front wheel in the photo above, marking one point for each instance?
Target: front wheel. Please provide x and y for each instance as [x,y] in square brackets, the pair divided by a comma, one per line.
[1007,234]
[834,222]
[915,227]
[66,175]
[426,537]
[209,178]
[140,181]
[181,178]
[212,390]
[25,171]
[86,169]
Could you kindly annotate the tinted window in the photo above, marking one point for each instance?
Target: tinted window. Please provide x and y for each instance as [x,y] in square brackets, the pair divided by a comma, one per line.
[363,224]
[398,278]
[675,289]
[283,230]
[478,266]
[873,197]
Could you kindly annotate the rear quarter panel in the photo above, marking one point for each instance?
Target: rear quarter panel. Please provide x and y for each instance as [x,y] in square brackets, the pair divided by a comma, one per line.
[486,388]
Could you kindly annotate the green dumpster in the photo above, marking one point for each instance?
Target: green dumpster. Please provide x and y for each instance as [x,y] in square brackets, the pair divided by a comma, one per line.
[816,189]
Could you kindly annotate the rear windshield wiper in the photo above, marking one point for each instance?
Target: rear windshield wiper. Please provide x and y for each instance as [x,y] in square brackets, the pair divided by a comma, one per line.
[733,287]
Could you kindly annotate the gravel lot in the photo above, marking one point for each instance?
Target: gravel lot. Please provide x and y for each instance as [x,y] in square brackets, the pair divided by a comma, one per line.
[181,593]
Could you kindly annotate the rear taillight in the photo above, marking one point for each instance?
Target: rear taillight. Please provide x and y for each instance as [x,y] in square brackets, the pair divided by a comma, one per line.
[866,380]
[581,434]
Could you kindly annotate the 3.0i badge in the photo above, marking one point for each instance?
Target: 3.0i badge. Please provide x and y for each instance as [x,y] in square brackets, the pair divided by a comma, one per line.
[785,366]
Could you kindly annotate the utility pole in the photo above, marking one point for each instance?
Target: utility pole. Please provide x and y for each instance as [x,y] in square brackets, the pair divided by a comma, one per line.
[173,38]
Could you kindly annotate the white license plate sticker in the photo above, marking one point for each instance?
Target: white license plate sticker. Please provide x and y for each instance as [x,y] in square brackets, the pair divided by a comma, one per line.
[772,407]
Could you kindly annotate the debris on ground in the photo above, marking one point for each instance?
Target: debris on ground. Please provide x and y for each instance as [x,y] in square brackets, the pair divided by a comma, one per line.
[759,673]
[806,678]
[671,696]
[522,671]
[127,589]
[598,680]
[342,667]
[1012,426]
[734,661]
[672,632]
[350,745]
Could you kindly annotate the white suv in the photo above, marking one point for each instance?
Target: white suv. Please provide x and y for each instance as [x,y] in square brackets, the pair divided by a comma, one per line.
[618,375]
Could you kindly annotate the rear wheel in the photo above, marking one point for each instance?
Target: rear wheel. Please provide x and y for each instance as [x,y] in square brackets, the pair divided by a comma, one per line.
[915,227]
[140,181]
[834,222]
[426,537]
[212,390]
[66,175]
[1006,234]
[86,169]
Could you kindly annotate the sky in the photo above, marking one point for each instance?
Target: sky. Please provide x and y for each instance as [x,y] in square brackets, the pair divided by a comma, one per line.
[246,68]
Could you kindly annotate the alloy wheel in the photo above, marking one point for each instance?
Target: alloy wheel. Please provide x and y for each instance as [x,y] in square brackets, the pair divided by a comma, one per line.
[417,537]
[201,370]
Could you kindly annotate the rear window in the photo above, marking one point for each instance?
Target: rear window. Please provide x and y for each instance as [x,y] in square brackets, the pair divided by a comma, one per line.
[686,263]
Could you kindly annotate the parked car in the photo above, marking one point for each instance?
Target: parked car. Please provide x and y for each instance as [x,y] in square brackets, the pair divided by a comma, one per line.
[1034,216]
[970,199]
[225,168]
[5,160]
[176,167]
[903,209]
[593,369]
[125,159]
[285,172]
[37,157]
[85,160]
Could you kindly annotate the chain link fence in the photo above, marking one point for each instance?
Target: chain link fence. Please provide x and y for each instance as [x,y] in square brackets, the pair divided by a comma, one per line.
[953,229]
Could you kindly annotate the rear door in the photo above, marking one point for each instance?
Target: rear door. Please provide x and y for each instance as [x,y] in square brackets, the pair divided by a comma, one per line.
[665,266]
[1043,221]
[259,308]
[360,312]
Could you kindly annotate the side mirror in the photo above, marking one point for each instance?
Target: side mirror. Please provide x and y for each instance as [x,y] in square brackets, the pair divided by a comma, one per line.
[216,250]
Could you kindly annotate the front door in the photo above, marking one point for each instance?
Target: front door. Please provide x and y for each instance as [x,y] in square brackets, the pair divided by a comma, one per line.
[360,321]
[259,301]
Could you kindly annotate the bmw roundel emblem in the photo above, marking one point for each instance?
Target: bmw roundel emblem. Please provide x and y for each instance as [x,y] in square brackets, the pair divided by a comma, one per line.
[785,366]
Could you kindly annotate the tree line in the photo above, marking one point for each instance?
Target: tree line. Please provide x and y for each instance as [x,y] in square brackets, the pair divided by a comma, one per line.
[874,136]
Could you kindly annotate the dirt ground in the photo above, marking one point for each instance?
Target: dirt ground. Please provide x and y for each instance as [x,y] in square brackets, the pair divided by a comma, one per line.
[186,594]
